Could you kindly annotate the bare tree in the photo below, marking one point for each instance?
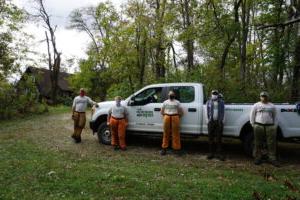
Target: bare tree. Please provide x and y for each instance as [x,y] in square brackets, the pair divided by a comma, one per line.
[54,60]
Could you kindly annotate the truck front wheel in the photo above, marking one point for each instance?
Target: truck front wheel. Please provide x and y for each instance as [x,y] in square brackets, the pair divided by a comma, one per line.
[104,134]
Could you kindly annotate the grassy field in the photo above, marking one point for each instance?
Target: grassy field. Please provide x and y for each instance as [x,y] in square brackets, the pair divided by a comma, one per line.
[40,161]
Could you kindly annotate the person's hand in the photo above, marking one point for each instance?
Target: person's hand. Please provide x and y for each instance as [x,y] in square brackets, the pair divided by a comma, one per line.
[107,123]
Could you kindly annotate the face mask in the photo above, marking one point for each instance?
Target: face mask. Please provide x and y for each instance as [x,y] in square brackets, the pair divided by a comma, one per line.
[172,97]
[82,93]
[118,103]
[214,97]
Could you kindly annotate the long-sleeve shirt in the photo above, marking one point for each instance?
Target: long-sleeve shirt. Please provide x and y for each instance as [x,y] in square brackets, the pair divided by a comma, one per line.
[263,113]
[215,110]
[80,103]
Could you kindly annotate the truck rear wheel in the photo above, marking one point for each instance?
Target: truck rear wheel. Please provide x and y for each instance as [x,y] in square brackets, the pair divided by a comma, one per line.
[104,134]
[248,143]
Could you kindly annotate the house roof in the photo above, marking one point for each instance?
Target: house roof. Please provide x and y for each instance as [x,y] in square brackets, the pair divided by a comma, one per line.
[43,81]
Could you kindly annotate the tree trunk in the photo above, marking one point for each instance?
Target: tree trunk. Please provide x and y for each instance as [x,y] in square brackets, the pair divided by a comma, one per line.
[295,86]
[243,47]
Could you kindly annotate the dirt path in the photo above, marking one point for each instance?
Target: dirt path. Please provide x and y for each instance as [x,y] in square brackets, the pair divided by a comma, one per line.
[53,132]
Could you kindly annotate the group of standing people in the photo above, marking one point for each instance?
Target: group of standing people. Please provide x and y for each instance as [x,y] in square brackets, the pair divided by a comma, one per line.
[262,118]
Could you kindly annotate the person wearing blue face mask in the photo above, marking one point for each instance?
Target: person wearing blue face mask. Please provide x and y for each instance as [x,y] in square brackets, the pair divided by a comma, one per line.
[215,118]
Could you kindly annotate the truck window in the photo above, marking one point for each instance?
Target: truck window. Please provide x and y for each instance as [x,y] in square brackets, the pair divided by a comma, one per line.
[184,94]
[151,95]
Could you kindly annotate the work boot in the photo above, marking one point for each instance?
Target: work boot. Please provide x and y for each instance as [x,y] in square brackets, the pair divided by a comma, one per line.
[220,157]
[178,152]
[257,161]
[78,140]
[210,156]
[116,147]
[275,163]
[163,152]
[74,137]
[123,148]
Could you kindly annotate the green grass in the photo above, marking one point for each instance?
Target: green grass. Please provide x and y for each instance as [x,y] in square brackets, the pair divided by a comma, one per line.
[38,161]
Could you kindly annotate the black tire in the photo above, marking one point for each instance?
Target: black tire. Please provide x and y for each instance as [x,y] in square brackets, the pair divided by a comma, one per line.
[104,134]
[248,143]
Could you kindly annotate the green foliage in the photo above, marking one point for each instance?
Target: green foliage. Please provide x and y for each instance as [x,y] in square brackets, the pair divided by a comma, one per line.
[141,47]
[21,100]
[11,19]
[38,160]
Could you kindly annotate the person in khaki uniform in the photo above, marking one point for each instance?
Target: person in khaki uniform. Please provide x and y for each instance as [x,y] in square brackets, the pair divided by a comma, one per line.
[264,122]
[171,111]
[117,120]
[79,106]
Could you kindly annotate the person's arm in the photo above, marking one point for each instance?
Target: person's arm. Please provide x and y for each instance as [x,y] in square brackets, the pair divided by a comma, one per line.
[91,102]
[252,114]
[223,111]
[207,111]
[126,116]
[180,110]
[162,110]
[108,116]
[73,106]
[275,119]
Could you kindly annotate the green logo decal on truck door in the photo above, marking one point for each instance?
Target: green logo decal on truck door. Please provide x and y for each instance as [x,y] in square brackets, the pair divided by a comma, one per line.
[144,113]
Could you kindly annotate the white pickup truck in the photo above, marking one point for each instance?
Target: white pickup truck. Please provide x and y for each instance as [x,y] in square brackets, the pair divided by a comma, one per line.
[145,118]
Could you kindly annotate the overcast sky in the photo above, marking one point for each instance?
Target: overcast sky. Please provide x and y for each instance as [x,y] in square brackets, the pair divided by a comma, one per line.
[71,43]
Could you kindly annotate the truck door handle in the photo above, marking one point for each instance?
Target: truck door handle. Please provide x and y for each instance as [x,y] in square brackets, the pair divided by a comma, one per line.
[192,109]
[157,109]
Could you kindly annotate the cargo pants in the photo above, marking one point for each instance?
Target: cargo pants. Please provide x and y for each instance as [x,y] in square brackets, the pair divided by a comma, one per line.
[79,123]
[171,127]
[118,132]
[262,132]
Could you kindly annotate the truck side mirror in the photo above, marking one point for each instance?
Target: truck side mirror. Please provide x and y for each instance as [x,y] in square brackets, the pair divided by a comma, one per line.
[131,101]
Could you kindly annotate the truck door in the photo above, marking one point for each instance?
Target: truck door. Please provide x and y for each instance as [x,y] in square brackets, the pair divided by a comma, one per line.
[191,121]
[144,110]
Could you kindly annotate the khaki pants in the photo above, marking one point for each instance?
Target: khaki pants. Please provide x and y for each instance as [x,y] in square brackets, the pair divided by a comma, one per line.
[261,133]
[79,124]
[171,126]
[118,132]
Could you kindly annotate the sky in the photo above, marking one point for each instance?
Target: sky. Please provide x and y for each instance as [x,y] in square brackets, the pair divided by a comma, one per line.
[71,43]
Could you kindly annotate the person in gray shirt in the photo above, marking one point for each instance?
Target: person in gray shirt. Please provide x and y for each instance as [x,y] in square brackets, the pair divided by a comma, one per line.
[78,109]
[264,122]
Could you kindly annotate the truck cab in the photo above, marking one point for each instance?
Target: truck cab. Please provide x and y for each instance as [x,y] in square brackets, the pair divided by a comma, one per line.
[144,110]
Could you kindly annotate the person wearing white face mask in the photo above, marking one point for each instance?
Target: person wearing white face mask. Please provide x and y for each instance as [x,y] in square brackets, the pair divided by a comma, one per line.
[215,118]
[117,120]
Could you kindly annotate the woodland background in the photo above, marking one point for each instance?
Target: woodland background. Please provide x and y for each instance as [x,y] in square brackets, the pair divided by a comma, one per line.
[239,47]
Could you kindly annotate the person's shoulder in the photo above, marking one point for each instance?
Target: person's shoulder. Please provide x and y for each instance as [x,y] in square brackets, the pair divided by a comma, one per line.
[177,101]
[166,101]
[271,104]
[77,97]
[257,103]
